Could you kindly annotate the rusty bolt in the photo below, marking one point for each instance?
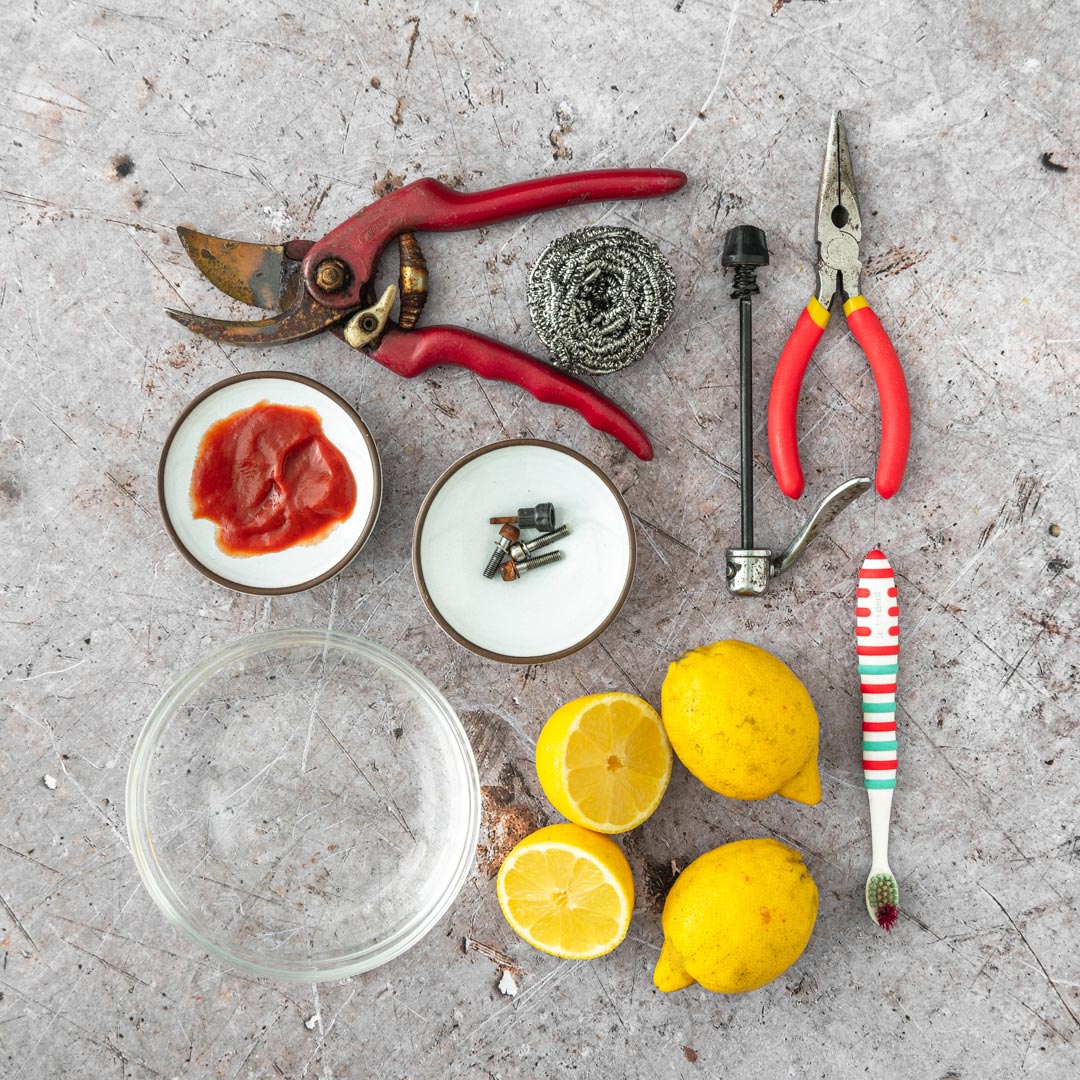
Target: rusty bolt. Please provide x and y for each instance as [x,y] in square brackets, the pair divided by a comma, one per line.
[508,534]
[514,568]
[331,275]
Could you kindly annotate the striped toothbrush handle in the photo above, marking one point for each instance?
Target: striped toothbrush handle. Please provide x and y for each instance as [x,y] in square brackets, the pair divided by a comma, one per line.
[877,642]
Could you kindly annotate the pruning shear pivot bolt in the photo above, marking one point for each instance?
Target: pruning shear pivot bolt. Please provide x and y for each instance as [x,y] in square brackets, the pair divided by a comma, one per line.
[839,233]
[329,284]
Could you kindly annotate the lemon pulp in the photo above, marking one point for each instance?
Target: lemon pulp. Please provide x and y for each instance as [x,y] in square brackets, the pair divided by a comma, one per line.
[567,891]
[604,761]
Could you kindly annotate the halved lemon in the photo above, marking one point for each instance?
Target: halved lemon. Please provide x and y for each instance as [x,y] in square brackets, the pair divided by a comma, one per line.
[604,761]
[567,891]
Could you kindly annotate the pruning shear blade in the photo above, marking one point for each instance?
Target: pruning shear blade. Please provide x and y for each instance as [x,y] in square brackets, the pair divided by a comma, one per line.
[258,274]
[304,319]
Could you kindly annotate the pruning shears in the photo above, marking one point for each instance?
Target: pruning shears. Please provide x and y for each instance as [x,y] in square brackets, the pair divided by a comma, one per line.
[839,232]
[328,284]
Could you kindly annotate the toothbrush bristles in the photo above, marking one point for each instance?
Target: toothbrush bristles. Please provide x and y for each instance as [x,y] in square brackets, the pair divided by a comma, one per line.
[886,916]
[883,899]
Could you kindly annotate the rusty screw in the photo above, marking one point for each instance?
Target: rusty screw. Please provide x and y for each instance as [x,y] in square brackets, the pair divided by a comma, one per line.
[331,275]
[514,568]
[508,535]
[541,516]
[523,549]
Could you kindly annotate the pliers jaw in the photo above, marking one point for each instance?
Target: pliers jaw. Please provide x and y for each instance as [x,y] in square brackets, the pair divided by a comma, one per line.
[839,224]
[839,230]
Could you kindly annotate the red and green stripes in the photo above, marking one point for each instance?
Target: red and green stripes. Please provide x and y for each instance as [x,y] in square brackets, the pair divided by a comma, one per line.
[877,643]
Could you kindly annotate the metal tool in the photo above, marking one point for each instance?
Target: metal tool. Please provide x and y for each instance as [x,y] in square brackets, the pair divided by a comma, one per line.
[749,568]
[329,284]
[513,568]
[524,548]
[508,535]
[541,516]
[839,233]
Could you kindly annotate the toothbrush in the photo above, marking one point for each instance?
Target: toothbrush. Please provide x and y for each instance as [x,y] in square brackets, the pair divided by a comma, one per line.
[877,643]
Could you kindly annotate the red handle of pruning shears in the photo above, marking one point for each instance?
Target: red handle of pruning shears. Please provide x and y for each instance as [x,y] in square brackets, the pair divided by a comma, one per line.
[411,352]
[430,206]
[888,375]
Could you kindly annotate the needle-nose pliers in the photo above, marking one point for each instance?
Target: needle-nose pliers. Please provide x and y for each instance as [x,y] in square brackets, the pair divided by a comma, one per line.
[839,231]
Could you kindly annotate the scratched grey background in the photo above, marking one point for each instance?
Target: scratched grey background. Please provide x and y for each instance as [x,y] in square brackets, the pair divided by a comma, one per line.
[277,119]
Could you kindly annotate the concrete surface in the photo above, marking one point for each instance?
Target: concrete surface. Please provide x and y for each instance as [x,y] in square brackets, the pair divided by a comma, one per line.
[267,120]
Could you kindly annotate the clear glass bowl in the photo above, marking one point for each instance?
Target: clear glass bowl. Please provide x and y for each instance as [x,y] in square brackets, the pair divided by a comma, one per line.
[303,804]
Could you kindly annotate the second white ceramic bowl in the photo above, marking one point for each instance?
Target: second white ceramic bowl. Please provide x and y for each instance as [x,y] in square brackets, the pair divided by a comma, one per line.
[552,611]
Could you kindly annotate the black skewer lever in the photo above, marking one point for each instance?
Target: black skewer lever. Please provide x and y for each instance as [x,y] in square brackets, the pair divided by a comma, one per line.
[749,568]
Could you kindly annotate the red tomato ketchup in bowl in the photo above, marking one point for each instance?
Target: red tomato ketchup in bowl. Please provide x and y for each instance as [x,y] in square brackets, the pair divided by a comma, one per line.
[269,483]
[270,479]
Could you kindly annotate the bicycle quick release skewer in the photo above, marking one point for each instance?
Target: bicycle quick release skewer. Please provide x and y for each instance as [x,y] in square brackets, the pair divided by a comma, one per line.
[749,568]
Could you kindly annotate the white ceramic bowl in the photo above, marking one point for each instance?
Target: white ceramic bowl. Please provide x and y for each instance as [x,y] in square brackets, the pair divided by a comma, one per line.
[296,568]
[552,611]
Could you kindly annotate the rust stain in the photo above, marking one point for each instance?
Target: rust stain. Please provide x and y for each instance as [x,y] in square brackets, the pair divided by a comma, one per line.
[1048,623]
[10,491]
[564,117]
[657,876]
[894,261]
[176,356]
[562,151]
[390,181]
[122,166]
[319,201]
[415,20]
[503,824]
[455,181]
[689,1052]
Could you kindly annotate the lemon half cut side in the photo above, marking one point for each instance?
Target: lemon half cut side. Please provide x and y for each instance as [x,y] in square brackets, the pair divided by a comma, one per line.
[604,761]
[567,891]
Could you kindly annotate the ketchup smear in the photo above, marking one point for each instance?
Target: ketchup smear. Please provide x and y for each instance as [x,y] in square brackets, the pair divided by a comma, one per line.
[269,479]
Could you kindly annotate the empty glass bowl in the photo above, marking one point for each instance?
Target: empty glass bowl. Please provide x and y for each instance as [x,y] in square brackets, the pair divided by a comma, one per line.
[303,804]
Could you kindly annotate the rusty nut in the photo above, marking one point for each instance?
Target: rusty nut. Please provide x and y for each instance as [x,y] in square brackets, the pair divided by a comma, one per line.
[331,275]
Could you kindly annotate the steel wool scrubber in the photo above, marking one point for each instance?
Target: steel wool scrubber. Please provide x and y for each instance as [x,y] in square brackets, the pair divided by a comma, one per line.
[599,297]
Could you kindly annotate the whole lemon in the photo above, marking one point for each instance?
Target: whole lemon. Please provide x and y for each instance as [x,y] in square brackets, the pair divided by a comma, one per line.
[736,918]
[742,722]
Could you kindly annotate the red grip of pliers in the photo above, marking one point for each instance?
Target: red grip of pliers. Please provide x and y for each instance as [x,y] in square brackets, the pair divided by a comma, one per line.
[408,353]
[888,375]
[429,206]
[892,392]
[784,400]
